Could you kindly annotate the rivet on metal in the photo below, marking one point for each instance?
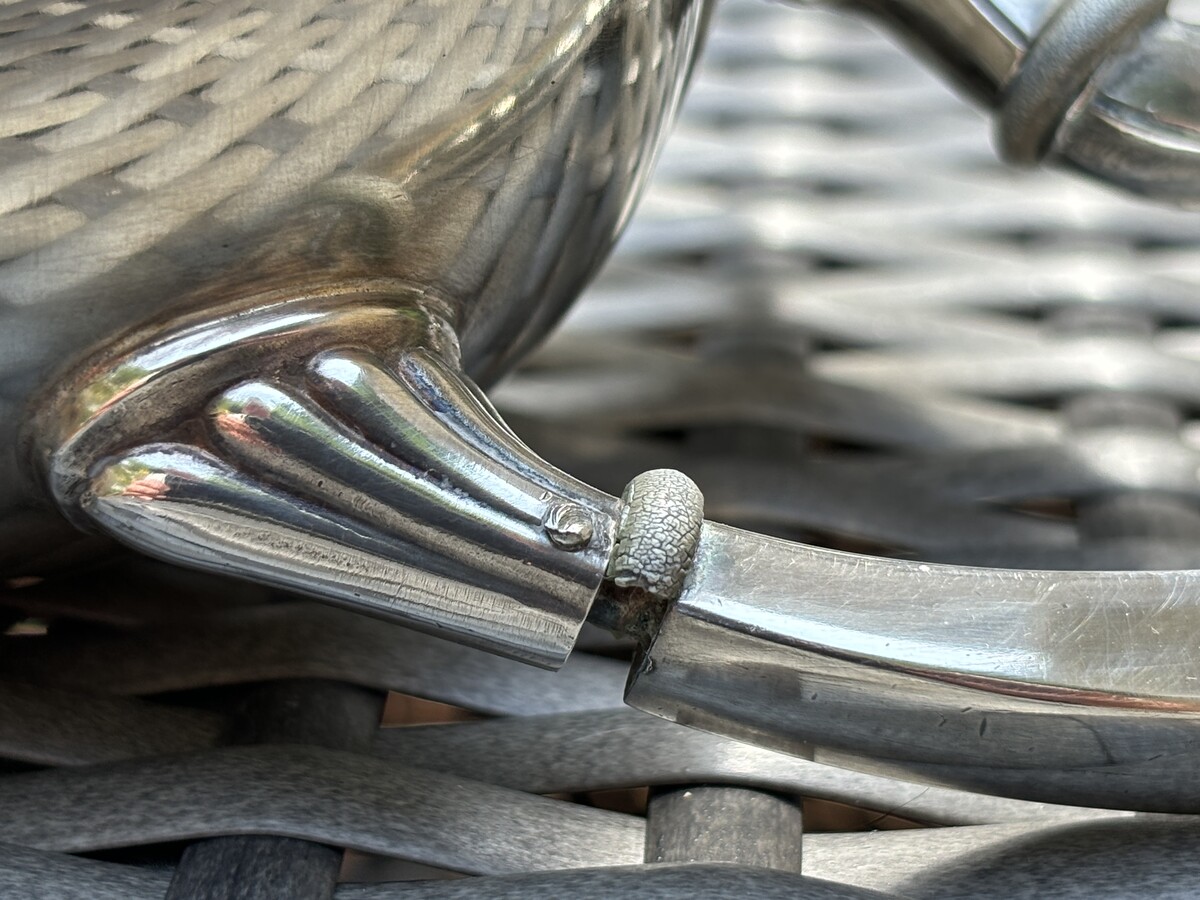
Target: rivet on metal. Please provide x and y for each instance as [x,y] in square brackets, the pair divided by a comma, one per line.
[568,525]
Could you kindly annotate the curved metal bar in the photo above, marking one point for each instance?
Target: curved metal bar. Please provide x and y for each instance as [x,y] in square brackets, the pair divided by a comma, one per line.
[1109,87]
[1139,127]
[980,44]
[1065,687]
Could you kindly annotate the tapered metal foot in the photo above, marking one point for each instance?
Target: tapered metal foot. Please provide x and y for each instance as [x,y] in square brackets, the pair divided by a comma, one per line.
[361,467]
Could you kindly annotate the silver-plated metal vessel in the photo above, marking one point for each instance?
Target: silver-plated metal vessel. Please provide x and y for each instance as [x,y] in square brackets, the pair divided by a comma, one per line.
[259,257]
[171,163]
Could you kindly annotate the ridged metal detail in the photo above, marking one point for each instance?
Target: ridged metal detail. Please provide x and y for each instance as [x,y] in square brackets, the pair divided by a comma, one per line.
[850,326]
[392,488]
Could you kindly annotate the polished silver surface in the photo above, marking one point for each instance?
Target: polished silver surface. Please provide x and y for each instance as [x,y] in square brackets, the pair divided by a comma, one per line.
[166,159]
[980,44]
[852,328]
[1066,687]
[324,439]
[1108,87]
[933,368]
[388,487]
[1139,128]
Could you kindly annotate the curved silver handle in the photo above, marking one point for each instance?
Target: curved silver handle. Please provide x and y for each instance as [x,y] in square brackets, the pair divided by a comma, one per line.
[1109,87]
[1058,686]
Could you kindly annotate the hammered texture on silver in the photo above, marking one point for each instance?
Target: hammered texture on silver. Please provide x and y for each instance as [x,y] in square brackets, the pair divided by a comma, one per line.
[839,315]
[662,511]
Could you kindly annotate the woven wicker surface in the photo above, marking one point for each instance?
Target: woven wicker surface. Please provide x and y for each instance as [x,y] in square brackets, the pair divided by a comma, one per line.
[852,327]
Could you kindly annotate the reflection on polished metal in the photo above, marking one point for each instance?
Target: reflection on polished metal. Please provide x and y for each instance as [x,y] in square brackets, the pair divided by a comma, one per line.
[1054,686]
[291,228]
[1110,87]
[389,486]
[299,234]
[177,164]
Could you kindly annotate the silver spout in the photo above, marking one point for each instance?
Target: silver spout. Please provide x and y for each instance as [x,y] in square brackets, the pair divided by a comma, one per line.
[1107,87]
